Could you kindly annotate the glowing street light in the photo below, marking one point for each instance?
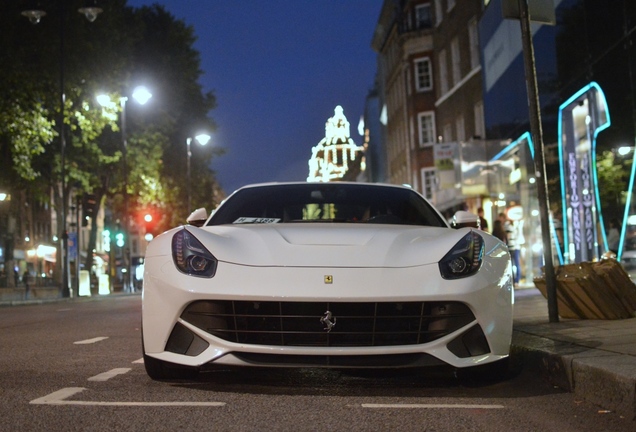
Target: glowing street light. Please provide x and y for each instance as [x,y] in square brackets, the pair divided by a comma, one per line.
[34,16]
[203,140]
[142,95]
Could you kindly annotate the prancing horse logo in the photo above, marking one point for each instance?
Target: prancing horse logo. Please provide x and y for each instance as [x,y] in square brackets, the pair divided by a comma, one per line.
[328,320]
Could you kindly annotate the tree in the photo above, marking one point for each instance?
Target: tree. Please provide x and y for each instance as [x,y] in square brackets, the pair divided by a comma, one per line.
[110,54]
[613,178]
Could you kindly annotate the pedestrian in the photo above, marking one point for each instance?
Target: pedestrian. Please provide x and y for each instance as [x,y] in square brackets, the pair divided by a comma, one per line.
[483,223]
[499,231]
[512,233]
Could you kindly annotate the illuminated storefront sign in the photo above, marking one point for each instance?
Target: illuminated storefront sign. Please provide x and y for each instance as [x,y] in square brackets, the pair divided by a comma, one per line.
[581,119]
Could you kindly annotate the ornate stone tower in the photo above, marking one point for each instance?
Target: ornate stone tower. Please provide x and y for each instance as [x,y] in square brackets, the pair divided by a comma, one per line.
[336,157]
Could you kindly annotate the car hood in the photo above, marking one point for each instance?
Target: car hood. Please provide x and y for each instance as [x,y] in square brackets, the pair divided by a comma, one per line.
[328,245]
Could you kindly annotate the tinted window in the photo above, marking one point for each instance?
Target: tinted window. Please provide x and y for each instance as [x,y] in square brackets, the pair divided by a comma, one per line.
[326,202]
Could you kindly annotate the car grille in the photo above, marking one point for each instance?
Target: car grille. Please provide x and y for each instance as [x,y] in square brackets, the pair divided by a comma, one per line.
[307,323]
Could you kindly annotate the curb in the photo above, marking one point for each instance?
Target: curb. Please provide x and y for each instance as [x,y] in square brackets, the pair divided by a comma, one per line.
[604,378]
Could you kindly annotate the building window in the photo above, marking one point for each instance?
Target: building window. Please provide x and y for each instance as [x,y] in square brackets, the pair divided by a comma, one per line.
[426,122]
[455,60]
[443,72]
[423,74]
[473,40]
[438,12]
[429,177]
[423,17]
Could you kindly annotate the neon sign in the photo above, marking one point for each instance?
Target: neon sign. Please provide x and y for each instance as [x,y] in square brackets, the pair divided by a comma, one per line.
[581,118]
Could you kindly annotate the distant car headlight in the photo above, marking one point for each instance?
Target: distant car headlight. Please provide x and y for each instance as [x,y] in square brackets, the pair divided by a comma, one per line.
[191,257]
[464,259]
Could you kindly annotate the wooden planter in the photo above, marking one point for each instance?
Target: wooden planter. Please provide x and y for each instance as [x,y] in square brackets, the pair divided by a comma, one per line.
[593,290]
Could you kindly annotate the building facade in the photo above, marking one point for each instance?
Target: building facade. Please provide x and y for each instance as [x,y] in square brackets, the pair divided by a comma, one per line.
[403,39]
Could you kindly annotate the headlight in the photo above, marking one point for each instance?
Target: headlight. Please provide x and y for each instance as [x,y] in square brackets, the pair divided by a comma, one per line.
[464,259]
[191,257]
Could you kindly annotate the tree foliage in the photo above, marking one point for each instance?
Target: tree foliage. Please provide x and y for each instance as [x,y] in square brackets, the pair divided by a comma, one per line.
[123,48]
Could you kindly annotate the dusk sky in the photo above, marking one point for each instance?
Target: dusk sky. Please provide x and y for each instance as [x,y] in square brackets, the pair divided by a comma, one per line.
[278,69]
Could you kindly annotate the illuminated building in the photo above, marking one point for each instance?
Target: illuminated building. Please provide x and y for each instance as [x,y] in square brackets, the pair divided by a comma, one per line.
[336,157]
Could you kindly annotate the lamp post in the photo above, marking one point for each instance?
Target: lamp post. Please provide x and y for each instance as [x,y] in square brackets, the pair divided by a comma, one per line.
[6,243]
[34,16]
[203,140]
[142,95]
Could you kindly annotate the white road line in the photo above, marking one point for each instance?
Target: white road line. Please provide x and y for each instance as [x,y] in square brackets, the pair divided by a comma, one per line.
[433,406]
[141,360]
[90,341]
[58,398]
[110,374]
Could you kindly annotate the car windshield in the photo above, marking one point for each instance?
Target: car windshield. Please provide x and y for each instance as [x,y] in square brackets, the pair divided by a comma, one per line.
[326,202]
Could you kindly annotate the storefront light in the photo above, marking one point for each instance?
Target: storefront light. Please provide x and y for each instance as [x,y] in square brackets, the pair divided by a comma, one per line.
[44,250]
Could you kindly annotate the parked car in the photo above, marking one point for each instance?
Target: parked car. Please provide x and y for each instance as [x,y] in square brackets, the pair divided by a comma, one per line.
[333,275]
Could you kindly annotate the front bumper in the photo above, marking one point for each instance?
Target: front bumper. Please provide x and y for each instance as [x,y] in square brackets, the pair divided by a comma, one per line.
[386,317]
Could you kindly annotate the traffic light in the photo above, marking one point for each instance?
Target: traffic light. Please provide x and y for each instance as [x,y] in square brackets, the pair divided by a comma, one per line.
[106,240]
[119,239]
[148,219]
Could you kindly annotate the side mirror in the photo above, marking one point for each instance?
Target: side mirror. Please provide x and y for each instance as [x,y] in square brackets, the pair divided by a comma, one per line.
[463,219]
[198,217]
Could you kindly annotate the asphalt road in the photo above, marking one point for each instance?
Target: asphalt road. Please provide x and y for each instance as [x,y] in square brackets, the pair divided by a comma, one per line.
[76,366]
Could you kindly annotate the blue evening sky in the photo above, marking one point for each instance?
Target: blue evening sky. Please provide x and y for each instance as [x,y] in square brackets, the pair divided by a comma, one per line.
[278,69]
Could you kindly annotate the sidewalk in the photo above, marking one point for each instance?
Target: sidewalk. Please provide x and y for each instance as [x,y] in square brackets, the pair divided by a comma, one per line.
[594,359]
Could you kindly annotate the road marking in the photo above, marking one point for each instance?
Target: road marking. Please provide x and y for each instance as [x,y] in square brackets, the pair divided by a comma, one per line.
[433,406]
[110,374]
[141,360]
[59,398]
[90,341]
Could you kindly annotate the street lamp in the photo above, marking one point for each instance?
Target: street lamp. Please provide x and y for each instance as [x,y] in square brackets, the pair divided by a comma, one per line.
[203,140]
[142,95]
[34,16]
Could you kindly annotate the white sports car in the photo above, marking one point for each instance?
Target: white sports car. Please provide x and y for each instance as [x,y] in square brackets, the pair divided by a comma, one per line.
[339,275]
